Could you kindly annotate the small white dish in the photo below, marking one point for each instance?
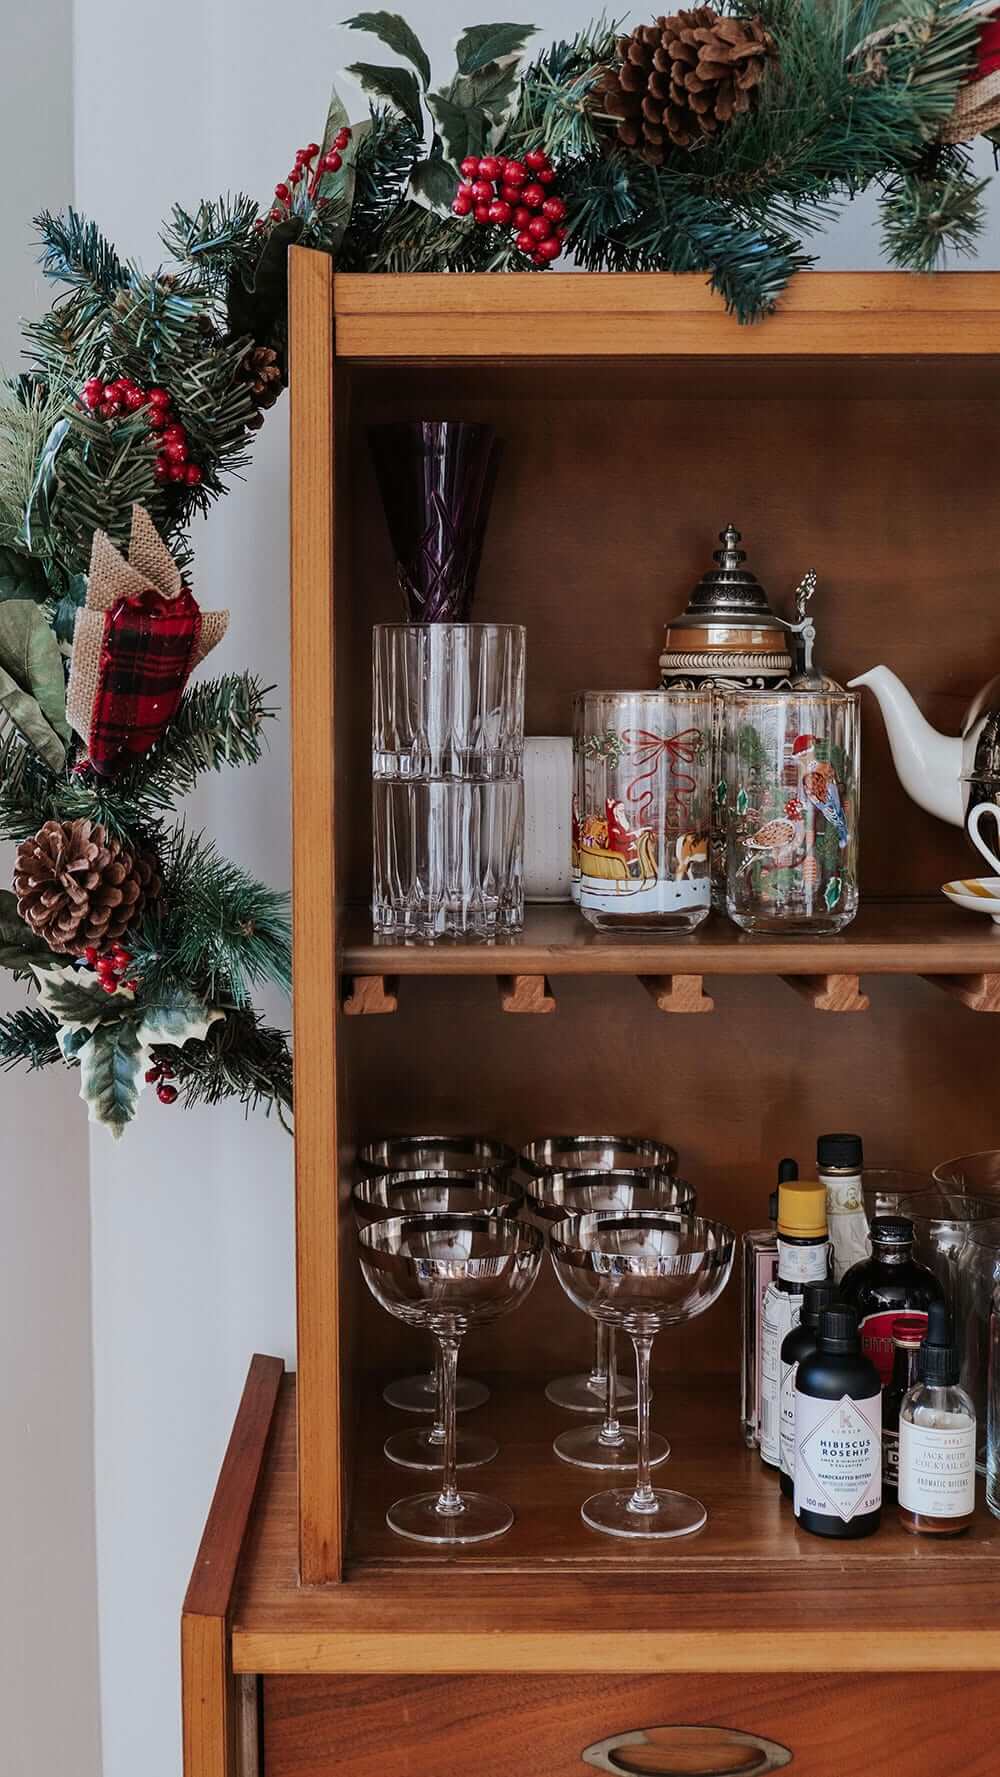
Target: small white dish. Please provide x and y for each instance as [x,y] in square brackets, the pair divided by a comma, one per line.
[979,894]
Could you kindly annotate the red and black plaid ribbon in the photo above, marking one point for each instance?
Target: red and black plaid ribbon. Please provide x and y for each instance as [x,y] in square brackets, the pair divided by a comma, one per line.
[146,660]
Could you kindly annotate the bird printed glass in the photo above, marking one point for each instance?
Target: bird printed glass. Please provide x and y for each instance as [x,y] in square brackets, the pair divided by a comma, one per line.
[790,791]
[641,809]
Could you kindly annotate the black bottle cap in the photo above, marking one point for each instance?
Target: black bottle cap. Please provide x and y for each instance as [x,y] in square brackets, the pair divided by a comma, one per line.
[815,1298]
[937,1360]
[772,1207]
[840,1150]
[838,1327]
[892,1231]
[787,1171]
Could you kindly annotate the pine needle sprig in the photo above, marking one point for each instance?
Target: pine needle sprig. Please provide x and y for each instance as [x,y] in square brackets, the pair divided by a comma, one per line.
[219,722]
[927,218]
[76,253]
[241,1057]
[215,240]
[217,926]
[29,1037]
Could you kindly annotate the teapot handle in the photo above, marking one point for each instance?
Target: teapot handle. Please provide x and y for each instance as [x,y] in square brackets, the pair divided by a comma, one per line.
[972,821]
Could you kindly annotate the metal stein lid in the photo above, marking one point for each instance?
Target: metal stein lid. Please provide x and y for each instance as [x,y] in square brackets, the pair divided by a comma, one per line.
[728,590]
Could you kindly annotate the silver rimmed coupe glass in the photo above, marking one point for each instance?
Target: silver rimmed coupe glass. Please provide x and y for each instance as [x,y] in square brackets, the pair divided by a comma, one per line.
[388,1194]
[478,1156]
[447,1273]
[643,1272]
[558,1195]
[584,1393]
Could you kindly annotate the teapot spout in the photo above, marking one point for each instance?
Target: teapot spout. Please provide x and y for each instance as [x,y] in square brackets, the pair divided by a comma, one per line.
[928,764]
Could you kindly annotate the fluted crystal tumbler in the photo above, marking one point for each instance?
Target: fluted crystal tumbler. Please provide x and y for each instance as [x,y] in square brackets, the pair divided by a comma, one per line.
[445,1274]
[556,1196]
[436,479]
[643,1271]
[447,784]
[584,1392]
[389,1194]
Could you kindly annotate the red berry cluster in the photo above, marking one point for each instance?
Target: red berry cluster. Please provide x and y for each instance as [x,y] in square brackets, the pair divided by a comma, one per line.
[307,174]
[124,395]
[112,967]
[515,194]
[160,1075]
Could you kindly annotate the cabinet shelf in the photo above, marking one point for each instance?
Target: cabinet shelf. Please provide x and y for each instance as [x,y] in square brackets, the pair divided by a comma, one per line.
[749,1593]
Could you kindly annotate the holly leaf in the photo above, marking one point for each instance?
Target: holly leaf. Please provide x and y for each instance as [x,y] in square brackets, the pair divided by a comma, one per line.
[71,1042]
[433,181]
[395,33]
[22,576]
[463,129]
[20,947]
[111,1074]
[480,44]
[176,1019]
[29,721]
[30,653]
[397,85]
[493,89]
[76,1000]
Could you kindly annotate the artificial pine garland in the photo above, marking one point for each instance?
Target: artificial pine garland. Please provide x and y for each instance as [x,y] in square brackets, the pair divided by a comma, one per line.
[711,141]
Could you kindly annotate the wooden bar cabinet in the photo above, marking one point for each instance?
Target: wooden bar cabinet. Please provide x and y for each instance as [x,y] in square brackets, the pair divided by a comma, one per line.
[855,431]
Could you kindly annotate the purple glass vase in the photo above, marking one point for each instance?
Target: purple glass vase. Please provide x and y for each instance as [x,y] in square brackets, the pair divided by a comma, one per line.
[436,478]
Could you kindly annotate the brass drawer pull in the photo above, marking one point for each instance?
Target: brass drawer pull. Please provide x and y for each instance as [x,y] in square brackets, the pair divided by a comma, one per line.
[687,1752]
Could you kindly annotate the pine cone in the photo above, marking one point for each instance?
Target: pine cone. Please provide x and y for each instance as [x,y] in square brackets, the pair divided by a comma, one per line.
[684,78]
[76,886]
[260,368]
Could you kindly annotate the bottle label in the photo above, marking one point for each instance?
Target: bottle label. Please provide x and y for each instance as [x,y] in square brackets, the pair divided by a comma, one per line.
[937,1469]
[781,1314]
[788,1375]
[838,1456]
[876,1337]
[890,1455]
[804,1264]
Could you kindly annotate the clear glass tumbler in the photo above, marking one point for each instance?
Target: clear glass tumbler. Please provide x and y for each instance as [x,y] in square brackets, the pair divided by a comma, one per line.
[645,809]
[791,785]
[448,794]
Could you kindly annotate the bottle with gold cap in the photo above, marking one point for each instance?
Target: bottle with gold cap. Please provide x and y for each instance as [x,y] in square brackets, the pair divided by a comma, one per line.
[803,1257]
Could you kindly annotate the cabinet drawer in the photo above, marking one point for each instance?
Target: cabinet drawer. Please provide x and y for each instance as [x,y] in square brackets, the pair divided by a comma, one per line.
[814,1725]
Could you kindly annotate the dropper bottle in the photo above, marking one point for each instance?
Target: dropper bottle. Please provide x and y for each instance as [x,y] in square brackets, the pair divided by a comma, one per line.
[937,1439]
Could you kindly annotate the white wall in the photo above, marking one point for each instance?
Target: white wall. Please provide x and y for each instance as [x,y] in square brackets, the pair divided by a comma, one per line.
[48,1611]
[192,1214]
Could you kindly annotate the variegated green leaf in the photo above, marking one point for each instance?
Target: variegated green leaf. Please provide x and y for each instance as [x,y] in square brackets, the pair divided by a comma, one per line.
[463,129]
[395,33]
[397,85]
[433,182]
[111,1074]
[480,44]
[177,1019]
[76,999]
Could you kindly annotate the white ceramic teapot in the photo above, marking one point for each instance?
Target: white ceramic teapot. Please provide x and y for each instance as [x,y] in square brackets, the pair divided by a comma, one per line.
[940,771]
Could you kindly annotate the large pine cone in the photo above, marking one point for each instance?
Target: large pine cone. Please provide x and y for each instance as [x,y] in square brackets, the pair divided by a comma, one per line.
[684,78]
[78,887]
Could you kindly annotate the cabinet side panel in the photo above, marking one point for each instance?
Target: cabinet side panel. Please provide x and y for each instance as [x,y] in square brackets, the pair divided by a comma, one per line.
[313,893]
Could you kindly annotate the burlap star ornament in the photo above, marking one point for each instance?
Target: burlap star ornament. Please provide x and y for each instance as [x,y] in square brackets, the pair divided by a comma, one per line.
[136,642]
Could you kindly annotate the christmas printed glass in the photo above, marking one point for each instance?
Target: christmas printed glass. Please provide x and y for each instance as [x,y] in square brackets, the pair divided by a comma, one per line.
[790,789]
[448,796]
[641,831]
[436,478]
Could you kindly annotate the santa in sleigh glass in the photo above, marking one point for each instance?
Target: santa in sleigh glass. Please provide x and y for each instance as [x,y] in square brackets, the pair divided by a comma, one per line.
[641,808]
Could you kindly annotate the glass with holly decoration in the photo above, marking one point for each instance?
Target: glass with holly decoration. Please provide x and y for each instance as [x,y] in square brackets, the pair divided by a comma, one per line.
[790,790]
[643,794]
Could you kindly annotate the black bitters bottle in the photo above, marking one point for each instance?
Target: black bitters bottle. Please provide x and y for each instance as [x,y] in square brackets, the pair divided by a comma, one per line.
[799,1343]
[887,1285]
[838,1432]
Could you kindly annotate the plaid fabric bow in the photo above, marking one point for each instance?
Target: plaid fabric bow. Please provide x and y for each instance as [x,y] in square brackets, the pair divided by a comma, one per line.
[136,642]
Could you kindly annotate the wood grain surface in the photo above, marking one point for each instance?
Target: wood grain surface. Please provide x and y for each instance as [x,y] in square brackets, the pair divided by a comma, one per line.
[862,1726]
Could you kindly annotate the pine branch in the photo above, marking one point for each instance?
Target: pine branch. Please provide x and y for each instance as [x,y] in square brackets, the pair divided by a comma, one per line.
[382,170]
[75,252]
[241,1057]
[219,722]
[216,239]
[926,217]
[217,928]
[29,1036]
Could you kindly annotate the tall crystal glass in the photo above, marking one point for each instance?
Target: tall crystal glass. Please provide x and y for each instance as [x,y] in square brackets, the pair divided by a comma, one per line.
[377,1199]
[791,789]
[436,478]
[447,1273]
[643,1271]
[584,1392]
[978,1279]
[645,808]
[558,1195]
[447,788]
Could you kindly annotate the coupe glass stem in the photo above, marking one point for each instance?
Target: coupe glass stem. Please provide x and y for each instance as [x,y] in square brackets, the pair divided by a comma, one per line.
[449,1501]
[611,1431]
[438,1434]
[599,1367]
[643,1498]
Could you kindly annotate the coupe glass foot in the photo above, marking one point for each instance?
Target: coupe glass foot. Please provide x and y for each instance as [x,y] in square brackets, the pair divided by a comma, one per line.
[583,1448]
[588,1394]
[669,1514]
[417,1448]
[419,1520]
[418,1394]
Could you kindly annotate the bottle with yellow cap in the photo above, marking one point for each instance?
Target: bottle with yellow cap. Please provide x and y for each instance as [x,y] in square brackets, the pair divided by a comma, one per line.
[803,1257]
